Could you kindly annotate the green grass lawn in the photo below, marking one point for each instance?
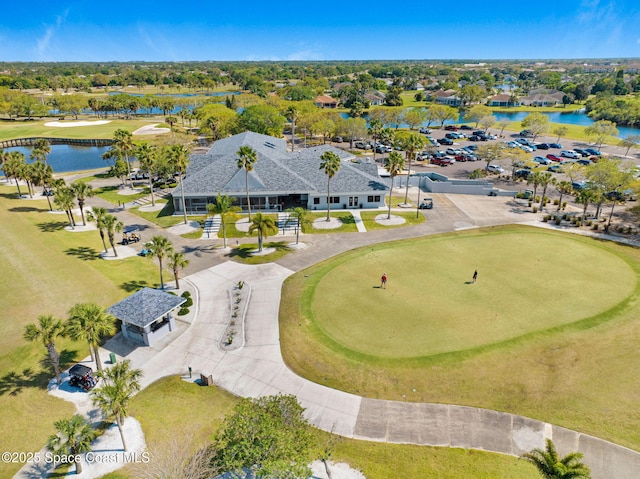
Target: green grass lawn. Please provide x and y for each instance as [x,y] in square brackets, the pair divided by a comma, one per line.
[348,223]
[48,270]
[545,322]
[27,129]
[370,223]
[172,408]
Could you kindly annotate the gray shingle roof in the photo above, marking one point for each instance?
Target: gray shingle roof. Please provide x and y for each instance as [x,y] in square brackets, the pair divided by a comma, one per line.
[145,306]
[276,171]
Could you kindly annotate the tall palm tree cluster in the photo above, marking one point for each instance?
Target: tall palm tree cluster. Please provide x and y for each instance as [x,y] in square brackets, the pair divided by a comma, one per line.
[88,322]
[162,248]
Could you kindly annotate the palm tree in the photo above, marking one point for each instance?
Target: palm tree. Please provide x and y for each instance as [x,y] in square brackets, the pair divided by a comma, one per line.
[41,148]
[179,159]
[292,113]
[551,466]
[123,147]
[177,261]
[112,225]
[47,331]
[13,165]
[375,129]
[330,163]
[395,165]
[264,225]
[113,397]
[41,175]
[584,197]
[411,145]
[82,191]
[564,188]
[97,215]
[223,207]
[90,322]
[546,179]
[74,437]
[64,199]
[147,156]
[535,179]
[302,217]
[161,247]
[247,156]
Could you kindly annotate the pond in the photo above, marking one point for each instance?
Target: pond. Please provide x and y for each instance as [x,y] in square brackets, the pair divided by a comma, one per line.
[66,158]
[577,117]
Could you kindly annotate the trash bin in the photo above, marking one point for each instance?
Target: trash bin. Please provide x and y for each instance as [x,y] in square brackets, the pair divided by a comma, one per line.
[112,357]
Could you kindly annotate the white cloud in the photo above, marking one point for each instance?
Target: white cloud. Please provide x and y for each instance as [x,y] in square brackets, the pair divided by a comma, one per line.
[44,42]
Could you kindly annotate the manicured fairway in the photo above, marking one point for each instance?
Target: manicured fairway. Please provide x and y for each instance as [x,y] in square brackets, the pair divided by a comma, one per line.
[527,282]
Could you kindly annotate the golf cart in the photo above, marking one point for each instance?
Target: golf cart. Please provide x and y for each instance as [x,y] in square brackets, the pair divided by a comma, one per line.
[426,204]
[82,377]
[130,236]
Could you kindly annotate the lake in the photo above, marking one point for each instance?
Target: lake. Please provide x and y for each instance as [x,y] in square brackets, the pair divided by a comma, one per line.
[66,158]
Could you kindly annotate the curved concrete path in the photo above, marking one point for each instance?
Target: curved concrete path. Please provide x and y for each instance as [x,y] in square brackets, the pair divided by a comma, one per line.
[258,369]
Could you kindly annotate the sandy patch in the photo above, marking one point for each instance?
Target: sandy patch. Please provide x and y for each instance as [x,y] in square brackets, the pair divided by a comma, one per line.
[243,225]
[67,124]
[150,207]
[151,130]
[182,228]
[123,252]
[323,224]
[126,191]
[392,221]
[79,228]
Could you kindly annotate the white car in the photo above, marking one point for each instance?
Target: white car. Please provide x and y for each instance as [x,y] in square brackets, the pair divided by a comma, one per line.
[570,154]
[495,169]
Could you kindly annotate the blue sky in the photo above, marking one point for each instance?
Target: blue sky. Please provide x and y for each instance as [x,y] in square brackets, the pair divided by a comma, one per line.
[141,30]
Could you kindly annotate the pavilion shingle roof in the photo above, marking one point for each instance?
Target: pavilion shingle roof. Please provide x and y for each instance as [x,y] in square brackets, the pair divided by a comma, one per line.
[145,306]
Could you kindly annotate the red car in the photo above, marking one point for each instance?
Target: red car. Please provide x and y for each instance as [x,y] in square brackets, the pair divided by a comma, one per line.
[443,161]
[452,127]
[553,157]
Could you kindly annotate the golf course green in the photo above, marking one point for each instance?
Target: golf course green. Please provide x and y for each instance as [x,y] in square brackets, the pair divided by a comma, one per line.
[527,282]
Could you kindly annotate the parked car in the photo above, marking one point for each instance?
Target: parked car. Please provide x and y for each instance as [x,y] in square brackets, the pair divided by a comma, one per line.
[453,151]
[475,138]
[584,162]
[451,136]
[593,151]
[582,152]
[542,160]
[445,141]
[452,127]
[555,168]
[578,185]
[363,145]
[570,154]
[424,130]
[542,146]
[495,169]
[523,141]
[446,161]
[465,127]
[337,139]
[526,148]
[555,145]
[471,147]
[526,133]
[554,157]
[522,173]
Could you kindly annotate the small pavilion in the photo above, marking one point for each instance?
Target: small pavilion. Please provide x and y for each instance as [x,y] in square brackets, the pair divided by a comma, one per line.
[147,314]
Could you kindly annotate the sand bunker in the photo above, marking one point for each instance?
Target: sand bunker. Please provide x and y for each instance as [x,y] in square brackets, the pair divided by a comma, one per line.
[67,124]
[151,130]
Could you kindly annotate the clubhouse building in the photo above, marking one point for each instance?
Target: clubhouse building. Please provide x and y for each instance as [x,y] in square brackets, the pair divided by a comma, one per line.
[279,180]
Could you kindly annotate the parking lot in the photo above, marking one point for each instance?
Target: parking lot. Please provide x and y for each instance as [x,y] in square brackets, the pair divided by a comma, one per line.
[463,169]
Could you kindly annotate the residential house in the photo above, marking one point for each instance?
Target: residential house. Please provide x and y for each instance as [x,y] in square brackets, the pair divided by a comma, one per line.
[325,101]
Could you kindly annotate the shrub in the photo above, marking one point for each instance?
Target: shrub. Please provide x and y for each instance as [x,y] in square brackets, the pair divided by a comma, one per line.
[556,202]
[188,303]
[183,311]
[186,294]
[558,221]
[535,209]
[595,227]
[564,204]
